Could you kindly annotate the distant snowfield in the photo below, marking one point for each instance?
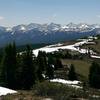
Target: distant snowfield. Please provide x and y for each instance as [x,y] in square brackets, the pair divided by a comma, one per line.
[67,82]
[74,47]
[5,91]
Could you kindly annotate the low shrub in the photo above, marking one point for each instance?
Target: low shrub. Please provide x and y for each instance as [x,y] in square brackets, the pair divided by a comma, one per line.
[58,91]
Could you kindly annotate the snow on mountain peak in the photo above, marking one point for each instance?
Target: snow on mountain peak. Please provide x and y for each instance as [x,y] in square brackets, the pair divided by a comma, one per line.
[53,27]
[47,28]
[83,26]
[19,28]
[71,25]
[8,29]
[65,27]
[22,28]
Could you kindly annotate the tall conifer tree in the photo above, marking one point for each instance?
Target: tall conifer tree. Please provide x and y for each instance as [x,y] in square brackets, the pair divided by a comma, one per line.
[9,66]
[72,74]
[28,69]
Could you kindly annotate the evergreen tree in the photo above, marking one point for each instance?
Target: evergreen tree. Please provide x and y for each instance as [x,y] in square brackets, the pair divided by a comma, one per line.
[50,68]
[42,63]
[28,76]
[9,66]
[58,64]
[94,75]
[72,74]
[19,71]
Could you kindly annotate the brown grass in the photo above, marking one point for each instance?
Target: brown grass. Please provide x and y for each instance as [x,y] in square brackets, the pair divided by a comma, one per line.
[81,66]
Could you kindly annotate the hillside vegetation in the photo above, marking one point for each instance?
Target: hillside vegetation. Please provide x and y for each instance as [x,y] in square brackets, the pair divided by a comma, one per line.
[41,69]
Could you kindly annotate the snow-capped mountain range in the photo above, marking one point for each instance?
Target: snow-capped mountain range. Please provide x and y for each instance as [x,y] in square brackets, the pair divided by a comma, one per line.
[46,33]
[52,27]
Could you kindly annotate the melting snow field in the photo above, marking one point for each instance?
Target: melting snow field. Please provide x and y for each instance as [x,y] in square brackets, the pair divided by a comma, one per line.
[5,91]
[52,49]
[95,56]
[74,47]
[67,82]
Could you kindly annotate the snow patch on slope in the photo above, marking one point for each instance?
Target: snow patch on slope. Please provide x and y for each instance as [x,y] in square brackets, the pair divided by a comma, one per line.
[5,91]
[93,56]
[74,47]
[67,82]
[22,28]
[8,29]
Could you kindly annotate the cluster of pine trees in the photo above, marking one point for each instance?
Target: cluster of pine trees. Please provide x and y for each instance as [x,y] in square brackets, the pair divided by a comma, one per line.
[22,70]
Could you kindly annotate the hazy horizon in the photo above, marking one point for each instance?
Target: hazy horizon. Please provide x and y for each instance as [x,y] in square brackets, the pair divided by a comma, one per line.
[15,12]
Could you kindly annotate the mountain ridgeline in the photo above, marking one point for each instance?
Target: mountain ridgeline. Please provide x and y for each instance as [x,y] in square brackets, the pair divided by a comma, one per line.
[45,33]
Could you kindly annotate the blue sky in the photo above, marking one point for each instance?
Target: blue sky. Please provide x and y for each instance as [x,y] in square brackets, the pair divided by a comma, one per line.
[14,12]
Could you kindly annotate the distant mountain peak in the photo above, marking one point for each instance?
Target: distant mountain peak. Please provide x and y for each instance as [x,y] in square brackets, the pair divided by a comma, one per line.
[8,29]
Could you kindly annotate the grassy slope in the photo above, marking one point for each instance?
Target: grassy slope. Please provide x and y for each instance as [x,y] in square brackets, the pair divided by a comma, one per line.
[94,47]
[45,90]
[97,46]
[21,95]
[81,66]
[56,91]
